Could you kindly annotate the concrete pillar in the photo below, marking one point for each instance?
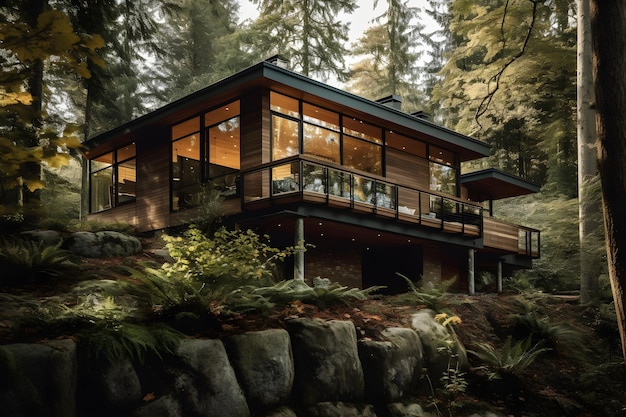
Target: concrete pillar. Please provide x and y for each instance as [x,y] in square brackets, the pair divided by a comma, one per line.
[470,272]
[499,277]
[298,261]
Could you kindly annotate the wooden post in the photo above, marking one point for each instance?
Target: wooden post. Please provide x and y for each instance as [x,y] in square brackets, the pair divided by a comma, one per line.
[499,276]
[298,262]
[470,272]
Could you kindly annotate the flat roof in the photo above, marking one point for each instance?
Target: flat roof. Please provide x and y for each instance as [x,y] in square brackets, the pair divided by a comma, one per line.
[266,74]
[493,184]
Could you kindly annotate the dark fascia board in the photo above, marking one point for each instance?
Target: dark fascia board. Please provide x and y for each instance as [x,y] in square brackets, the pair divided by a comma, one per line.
[265,73]
[511,184]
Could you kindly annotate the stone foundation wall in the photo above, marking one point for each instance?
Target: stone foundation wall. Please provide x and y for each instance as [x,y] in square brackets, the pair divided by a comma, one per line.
[312,368]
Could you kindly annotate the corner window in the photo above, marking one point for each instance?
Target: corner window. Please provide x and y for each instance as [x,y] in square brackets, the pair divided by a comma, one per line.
[113,179]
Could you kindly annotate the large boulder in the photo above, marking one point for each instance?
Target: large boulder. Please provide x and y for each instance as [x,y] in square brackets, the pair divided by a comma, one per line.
[392,367]
[117,385]
[206,385]
[165,406]
[335,409]
[38,380]
[106,244]
[263,362]
[326,361]
[442,349]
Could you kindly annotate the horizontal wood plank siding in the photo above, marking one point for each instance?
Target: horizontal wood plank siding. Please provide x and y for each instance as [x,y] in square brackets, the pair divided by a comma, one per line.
[500,235]
[255,122]
[407,169]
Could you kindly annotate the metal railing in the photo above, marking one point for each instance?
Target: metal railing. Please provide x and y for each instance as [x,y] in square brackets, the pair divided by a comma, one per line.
[328,183]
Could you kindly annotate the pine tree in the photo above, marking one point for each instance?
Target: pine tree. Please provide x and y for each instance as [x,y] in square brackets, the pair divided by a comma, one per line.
[201,45]
[389,51]
[308,32]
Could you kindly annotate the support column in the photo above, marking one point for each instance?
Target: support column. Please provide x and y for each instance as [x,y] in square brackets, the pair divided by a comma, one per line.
[499,277]
[298,261]
[470,272]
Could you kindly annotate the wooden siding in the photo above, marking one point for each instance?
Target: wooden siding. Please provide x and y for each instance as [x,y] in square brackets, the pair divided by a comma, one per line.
[406,169]
[500,235]
[255,140]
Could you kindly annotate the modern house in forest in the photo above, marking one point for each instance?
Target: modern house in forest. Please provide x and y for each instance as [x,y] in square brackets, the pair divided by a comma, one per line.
[377,191]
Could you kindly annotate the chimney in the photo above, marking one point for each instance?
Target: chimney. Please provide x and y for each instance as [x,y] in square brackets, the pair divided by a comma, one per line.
[393,101]
[279,61]
[420,114]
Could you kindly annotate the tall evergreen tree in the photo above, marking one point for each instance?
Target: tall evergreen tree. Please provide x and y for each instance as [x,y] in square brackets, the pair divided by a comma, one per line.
[201,45]
[308,32]
[389,56]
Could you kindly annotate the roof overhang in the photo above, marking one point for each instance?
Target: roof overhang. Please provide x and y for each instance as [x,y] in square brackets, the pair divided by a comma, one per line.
[493,184]
[266,74]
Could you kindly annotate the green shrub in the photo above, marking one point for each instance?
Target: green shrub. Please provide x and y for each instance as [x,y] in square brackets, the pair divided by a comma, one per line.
[24,261]
[421,295]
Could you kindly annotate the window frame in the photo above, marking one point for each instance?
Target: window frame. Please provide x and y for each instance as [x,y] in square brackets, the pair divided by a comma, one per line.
[114,185]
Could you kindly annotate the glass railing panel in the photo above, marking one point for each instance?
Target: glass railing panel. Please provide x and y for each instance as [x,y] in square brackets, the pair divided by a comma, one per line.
[314,177]
[338,183]
[385,195]
[285,178]
[364,189]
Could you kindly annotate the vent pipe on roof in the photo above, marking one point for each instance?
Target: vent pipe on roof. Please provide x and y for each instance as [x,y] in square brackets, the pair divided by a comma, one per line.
[393,101]
[420,114]
[279,61]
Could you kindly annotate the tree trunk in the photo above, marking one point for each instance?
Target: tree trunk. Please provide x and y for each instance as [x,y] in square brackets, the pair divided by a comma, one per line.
[588,210]
[608,29]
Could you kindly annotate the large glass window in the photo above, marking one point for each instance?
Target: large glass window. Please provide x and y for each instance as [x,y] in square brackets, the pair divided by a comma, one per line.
[321,133]
[324,134]
[206,147]
[224,140]
[113,178]
[443,172]
[186,167]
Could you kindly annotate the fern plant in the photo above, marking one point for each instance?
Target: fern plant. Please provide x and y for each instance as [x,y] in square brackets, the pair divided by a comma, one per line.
[511,359]
[24,261]
[112,340]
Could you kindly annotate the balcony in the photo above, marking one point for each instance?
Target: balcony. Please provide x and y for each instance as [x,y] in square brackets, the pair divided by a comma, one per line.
[304,179]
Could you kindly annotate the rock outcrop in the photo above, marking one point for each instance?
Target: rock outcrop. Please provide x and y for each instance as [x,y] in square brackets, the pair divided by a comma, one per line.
[314,368]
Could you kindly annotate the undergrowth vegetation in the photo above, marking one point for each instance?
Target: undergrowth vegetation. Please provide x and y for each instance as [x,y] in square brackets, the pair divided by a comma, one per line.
[25,261]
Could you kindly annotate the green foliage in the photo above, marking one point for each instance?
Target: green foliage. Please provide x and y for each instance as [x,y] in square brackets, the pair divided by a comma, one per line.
[429,296]
[209,274]
[24,261]
[560,337]
[509,360]
[111,341]
[286,292]
[228,259]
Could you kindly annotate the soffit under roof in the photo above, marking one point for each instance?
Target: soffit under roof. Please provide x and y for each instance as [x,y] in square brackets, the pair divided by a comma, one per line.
[267,75]
[493,184]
